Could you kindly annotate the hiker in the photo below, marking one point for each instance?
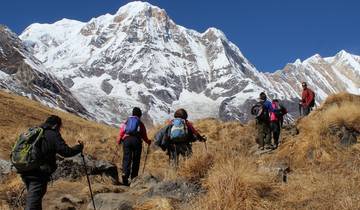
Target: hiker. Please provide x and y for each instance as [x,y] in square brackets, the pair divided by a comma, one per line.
[52,143]
[307,99]
[276,120]
[132,132]
[262,111]
[181,134]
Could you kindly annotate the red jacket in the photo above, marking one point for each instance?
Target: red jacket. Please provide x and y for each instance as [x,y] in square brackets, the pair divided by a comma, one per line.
[306,97]
[122,135]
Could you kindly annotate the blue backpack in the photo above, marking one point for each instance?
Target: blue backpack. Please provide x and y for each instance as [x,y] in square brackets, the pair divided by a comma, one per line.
[179,131]
[132,126]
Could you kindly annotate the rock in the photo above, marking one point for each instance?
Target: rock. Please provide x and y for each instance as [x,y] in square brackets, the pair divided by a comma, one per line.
[101,188]
[113,201]
[156,203]
[179,190]
[71,199]
[347,136]
[5,167]
[73,168]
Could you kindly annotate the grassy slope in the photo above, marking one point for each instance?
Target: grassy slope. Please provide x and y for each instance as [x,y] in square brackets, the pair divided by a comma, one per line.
[235,178]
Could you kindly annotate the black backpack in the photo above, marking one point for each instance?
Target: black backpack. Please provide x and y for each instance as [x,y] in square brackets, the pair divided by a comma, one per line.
[312,103]
[261,112]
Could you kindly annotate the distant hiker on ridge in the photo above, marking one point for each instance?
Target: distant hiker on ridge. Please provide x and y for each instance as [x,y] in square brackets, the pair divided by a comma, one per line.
[132,132]
[42,161]
[262,110]
[307,99]
[177,137]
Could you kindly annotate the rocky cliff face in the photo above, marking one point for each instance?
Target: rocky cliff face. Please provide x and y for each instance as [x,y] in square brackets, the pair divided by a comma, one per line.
[22,73]
[140,57]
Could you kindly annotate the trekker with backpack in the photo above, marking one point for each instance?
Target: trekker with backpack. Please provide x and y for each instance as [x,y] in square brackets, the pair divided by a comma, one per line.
[132,132]
[276,120]
[45,142]
[262,111]
[177,137]
[307,99]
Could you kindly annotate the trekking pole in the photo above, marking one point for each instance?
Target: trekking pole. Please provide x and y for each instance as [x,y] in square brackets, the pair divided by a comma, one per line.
[88,180]
[147,152]
[205,139]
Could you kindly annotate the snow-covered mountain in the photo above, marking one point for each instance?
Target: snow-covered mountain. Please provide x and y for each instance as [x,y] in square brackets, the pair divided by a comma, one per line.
[140,57]
[22,73]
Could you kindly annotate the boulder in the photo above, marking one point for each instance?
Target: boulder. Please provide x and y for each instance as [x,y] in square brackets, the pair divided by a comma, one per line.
[113,201]
[73,168]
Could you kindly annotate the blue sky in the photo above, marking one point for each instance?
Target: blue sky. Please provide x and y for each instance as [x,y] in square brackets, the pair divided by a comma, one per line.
[270,33]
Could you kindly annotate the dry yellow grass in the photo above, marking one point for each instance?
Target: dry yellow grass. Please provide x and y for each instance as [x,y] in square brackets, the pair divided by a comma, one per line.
[324,174]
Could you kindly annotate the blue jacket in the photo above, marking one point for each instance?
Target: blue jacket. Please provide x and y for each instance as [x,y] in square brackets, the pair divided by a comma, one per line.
[268,106]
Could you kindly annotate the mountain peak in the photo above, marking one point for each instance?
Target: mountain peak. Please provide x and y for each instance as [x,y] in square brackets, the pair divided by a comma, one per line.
[136,7]
[314,58]
[342,54]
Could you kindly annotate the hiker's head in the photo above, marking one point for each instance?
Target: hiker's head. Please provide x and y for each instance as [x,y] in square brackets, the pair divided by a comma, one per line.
[54,122]
[262,96]
[304,85]
[136,112]
[181,113]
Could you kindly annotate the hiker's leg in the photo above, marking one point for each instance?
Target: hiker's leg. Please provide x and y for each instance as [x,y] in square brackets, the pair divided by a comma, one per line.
[172,155]
[188,152]
[267,135]
[35,192]
[127,156]
[275,128]
[306,111]
[260,135]
[136,158]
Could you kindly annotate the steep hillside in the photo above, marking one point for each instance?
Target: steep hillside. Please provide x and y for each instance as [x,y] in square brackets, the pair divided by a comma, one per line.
[22,73]
[315,167]
[19,113]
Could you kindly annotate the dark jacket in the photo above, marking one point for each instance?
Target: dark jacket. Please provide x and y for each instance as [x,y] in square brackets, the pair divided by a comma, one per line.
[53,144]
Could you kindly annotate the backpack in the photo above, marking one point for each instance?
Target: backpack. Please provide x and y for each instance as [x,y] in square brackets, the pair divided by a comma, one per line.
[26,154]
[261,112]
[179,131]
[132,127]
[312,103]
[161,138]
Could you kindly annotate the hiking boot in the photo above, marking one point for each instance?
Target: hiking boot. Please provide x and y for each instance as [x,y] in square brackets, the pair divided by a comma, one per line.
[269,146]
[125,181]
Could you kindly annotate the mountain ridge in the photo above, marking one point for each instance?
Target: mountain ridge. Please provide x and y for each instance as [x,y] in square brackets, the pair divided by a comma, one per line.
[140,57]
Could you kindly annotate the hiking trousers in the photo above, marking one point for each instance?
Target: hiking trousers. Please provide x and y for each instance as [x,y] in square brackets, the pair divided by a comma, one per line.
[36,186]
[275,130]
[175,150]
[132,147]
[306,110]
[263,133]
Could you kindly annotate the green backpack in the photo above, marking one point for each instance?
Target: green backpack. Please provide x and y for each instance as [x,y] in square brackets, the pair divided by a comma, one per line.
[26,153]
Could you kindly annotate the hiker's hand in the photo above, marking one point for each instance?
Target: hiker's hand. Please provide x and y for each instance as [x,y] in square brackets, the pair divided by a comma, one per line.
[81,145]
[202,138]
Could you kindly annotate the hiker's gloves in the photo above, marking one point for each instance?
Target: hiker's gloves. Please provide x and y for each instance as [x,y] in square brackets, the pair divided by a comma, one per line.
[202,138]
[80,146]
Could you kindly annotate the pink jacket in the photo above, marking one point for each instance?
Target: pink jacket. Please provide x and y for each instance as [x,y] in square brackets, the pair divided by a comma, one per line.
[275,106]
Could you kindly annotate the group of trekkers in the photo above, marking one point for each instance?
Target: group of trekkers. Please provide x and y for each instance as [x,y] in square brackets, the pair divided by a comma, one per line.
[34,154]
[270,117]
[176,138]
